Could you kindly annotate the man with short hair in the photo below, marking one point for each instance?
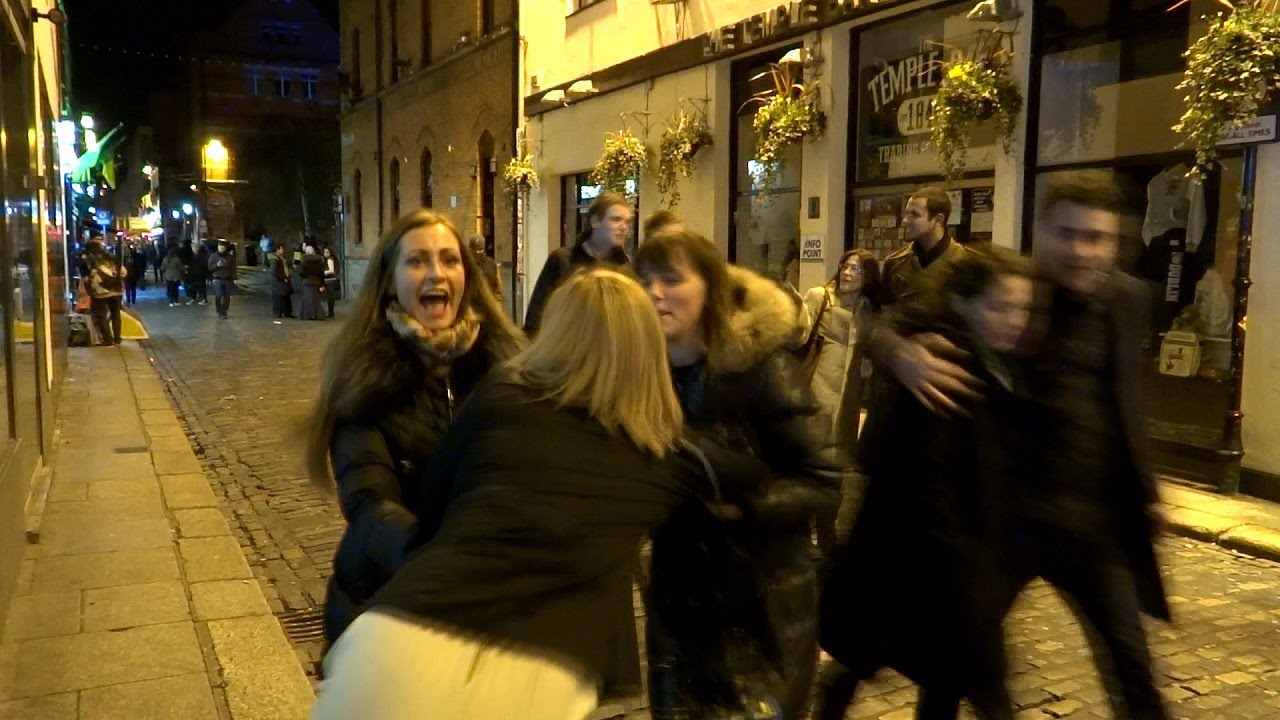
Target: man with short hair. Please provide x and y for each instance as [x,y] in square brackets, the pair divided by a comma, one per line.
[662,221]
[281,287]
[488,266]
[222,267]
[1085,519]
[603,241]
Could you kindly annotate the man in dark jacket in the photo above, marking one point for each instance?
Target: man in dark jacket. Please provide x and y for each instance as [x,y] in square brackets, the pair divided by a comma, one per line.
[281,288]
[222,267]
[1085,521]
[198,279]
[488,266]
[609,225]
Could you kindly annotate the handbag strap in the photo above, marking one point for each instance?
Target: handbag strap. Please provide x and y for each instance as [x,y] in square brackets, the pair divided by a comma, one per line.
[817,320]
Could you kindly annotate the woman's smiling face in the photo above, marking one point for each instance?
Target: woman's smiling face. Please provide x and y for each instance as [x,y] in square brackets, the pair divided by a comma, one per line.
[430,278]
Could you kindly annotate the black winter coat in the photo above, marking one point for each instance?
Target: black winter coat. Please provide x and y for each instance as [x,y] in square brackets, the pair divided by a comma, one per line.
[538,515]
[740,599]
[560,265]
[912,589]
[378,454]
[312,270]
[280,272]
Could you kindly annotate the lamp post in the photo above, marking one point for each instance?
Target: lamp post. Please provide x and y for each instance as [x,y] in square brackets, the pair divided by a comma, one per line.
[189,210]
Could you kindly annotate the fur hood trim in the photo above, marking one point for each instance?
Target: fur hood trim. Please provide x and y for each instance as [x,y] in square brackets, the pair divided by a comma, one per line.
[765,318]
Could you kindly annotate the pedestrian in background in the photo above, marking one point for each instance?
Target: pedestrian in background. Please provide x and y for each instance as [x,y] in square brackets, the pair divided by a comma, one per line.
[105,283]
[136,276]
[156,257]
[198,284]
[332,286]
[311,274]
[222,267]
[174,270]
[602,242]
[423,330]
[729,333]
[662,221]
[506,610]
[488,266]
[839,369]
[281,285]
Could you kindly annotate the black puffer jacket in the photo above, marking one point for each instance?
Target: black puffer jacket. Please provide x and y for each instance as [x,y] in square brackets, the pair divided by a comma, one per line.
[377,451]
[739,599]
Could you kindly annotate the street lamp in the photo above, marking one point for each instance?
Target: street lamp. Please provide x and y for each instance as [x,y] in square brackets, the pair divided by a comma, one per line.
[176,214]
[189,209]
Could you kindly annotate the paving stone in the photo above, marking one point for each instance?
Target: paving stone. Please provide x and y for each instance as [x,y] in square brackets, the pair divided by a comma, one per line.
[72,535]
[214,558]
[201,522]
[46,707]
[87,660]
[125,567]
[127,506]
[262,674]
[188,697]
[224,599]
[175,463]
[46,615]
[128,606]
[188,490]
[92,464]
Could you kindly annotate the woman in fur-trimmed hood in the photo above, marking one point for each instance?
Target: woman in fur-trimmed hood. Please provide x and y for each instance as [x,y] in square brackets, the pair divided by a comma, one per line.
[424,330]
[733,592]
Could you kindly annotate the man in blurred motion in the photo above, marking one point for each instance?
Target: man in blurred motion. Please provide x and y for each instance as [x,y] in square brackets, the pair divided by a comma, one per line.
[1084,519]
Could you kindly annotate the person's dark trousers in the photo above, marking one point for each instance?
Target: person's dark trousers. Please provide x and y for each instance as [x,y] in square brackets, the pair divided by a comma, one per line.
[1099,588]
[106,315]
[155,272]
[131,290]
[172,288]
[222,296]
[281,306]
[330,294]
[199,290]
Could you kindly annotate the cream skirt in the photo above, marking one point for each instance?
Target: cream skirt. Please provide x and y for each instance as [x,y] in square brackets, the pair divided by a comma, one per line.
[387,668]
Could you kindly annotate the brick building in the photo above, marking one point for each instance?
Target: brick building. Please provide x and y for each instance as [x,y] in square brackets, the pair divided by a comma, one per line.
[428,119]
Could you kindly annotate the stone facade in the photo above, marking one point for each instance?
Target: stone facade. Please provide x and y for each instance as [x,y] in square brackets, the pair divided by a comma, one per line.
[426,134]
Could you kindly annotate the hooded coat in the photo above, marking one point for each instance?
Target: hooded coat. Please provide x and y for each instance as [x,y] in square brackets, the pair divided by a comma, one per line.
[736,602]
[382,440]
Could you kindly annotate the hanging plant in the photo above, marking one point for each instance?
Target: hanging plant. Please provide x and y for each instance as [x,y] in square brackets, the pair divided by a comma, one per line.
[974,91]
[788,114]
[623,158]
[519,175]
[1231,73]
[684,137]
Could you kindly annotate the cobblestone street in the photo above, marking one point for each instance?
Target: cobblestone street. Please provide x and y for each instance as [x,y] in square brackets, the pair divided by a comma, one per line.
[242,385]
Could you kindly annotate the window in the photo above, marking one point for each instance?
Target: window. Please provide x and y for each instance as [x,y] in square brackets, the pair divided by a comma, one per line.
[310,85]
[357,212]
[583,4]
[393,31]
[393,177]
[282,86]
[257,83]
[487,20]
[425,188]
[578,193]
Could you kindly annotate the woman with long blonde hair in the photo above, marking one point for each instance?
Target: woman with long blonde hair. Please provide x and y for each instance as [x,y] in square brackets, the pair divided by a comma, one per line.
[424,329]
[552,473]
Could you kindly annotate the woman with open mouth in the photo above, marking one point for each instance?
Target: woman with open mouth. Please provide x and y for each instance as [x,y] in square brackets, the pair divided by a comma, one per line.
[423,331]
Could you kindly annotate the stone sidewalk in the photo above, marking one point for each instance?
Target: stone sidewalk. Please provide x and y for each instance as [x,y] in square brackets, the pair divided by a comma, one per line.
[135,600]
[1239,523]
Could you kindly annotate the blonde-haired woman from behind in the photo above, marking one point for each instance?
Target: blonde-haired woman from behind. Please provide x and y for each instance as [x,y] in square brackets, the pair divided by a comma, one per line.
[549,478]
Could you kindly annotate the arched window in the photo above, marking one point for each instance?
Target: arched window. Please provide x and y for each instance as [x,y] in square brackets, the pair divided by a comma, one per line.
[426,33]
[355,62]
[487,20]
[357,210]
[425,187]
[393,178]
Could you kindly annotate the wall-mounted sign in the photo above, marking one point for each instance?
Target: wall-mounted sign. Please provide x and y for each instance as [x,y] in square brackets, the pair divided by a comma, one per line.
[1261,130]
[811,249]
[785,19]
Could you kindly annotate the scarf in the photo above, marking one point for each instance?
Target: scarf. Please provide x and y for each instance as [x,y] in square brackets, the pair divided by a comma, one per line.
[438,347]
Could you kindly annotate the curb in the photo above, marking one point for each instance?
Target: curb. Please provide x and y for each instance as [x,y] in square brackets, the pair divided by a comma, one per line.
[1244,538]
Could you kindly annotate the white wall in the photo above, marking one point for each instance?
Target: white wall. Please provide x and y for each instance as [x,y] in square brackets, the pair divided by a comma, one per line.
[563,48]
[1262,348]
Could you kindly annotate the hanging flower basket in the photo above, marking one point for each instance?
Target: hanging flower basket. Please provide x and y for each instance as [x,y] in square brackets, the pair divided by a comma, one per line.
[974,91]
[519,175]
[1231,73]
[788,114]
[625,155]
[684,137]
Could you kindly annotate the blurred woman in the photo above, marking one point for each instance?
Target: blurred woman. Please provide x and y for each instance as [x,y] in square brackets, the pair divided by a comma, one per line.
[914,588]
[541,492]
[311,275]
[331,284]
[423,330]
[736,605]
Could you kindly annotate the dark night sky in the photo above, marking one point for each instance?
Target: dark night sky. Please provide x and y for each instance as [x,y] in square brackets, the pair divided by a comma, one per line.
[117,50]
